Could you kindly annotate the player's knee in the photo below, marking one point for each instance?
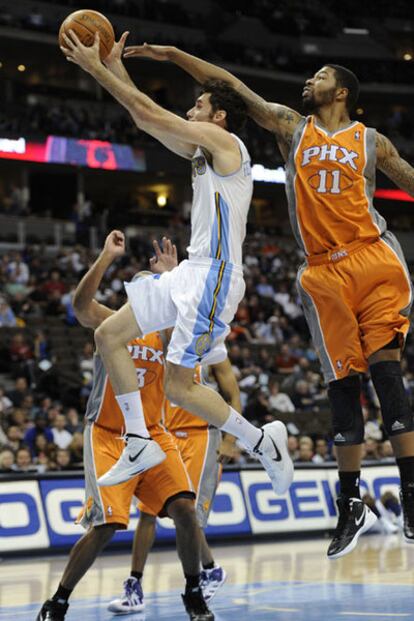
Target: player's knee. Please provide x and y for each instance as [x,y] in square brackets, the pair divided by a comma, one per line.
[105,336]
[105,532]
[395,407]
[182,511]
[347,418]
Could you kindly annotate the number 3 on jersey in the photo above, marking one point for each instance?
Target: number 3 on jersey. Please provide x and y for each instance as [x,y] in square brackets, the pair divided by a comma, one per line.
[141,377]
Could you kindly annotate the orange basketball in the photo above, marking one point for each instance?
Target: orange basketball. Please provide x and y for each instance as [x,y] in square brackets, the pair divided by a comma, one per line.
[85,23]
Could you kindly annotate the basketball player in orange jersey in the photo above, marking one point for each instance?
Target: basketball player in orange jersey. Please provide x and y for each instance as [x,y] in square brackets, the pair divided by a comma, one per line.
[164,490]
[354,285]
[199,298]
[203,451]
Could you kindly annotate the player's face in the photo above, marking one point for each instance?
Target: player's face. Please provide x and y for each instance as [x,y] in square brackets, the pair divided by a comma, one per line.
[320,90]
[202,110]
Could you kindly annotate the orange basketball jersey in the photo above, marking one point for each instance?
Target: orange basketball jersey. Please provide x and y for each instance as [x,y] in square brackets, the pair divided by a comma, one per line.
[102,407]
[177,418]
[330,182]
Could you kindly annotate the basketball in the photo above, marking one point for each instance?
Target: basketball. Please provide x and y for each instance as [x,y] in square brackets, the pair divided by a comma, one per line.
[85,24]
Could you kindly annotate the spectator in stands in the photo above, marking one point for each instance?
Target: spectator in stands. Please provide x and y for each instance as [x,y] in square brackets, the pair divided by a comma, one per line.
[305,452]
[321,452]
[76,449]
[18,271]
[63,460]
[40,427]
[61,436]
[5,402]
[44,452]
[371,450]
[302,397]
[24,461]
[54,284]
[279,401]
[7,316]
[41,346]
[21,356]
[73,422]
[285,361]
[14,437]
[293,447]
[6,461]
[385,451]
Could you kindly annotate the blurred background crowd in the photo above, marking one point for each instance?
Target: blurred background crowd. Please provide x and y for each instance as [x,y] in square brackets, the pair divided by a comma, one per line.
[46,358]
[54,217]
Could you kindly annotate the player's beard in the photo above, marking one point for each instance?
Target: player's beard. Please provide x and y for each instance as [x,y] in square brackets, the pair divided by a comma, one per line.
[310,104]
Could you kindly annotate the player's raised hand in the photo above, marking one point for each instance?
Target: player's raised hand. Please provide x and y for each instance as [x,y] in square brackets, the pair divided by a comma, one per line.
[115,55]
[114,246]
[86,57]
[156,52]
[165,258]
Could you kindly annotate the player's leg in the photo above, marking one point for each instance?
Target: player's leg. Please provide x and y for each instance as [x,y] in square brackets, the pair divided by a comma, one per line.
[132,598]
[335,334]
[386,374]
[81,558]
[354,516]
[199,451]
[269,443]
[111,340]
[384,324]
[182,511]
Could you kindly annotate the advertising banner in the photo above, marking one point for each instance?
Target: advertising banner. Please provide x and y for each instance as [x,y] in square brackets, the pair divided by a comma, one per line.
[41,513]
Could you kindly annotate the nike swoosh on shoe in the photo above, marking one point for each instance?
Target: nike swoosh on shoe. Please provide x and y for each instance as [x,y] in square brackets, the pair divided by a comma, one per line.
[132,459]
[278,455]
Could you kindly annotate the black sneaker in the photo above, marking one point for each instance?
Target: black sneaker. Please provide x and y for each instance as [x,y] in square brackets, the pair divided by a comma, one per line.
[407,504]
[196,606]
[52,611]
[354,518]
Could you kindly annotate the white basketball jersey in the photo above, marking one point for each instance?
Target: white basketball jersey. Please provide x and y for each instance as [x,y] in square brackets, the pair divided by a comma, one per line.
[220,208]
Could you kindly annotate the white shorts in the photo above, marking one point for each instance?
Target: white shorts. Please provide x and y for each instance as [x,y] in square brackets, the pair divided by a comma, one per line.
[199,298]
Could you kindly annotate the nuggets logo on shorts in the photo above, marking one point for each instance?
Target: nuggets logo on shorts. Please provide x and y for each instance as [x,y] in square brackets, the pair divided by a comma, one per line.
[202,344]
[198,165]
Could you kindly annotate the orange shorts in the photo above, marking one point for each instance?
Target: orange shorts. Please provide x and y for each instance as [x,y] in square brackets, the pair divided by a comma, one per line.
[102,449]
[356,305]
[198,447]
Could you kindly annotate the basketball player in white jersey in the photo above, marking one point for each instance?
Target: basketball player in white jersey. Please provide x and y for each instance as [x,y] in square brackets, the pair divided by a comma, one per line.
[200,297]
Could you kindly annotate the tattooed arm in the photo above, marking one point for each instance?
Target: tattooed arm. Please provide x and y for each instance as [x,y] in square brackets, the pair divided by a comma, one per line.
[278,119]
[392,165]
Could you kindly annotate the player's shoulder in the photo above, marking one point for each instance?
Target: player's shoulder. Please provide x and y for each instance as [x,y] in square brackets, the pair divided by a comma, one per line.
[149,340]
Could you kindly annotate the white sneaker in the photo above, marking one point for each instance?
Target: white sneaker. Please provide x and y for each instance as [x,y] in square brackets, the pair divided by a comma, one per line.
[139,455]
[132,599]
[273,453]
[211,580]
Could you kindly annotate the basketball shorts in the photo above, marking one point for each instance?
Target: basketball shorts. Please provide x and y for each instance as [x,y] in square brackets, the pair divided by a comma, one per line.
[106,505]
[356,304]
[199,298]
[198,448]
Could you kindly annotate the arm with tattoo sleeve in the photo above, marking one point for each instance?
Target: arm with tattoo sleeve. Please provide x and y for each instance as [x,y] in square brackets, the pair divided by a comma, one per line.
[279,119]
[395,167]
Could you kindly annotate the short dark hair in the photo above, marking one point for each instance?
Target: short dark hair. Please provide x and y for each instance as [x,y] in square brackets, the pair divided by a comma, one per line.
[347,79]
[225,97]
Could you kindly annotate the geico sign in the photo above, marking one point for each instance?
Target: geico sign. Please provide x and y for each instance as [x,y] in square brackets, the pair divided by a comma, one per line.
[22,519]
[309,504]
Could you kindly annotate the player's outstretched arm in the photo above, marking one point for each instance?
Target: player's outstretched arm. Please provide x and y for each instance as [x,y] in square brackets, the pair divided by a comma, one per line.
[88,311]
[179,135]
[395,167]
[277,118]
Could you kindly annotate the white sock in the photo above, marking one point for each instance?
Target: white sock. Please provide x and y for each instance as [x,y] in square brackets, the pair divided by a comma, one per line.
[238,426]
[133,412]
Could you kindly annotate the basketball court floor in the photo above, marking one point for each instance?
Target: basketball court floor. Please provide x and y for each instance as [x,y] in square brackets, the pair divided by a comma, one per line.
[281,581]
